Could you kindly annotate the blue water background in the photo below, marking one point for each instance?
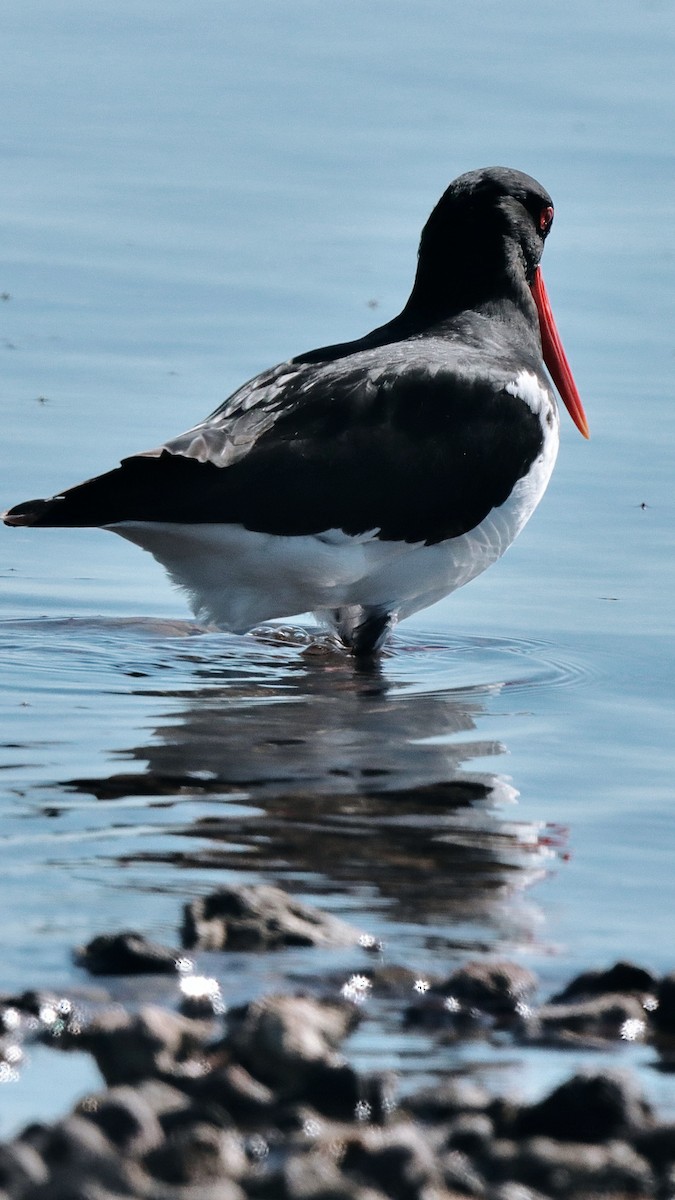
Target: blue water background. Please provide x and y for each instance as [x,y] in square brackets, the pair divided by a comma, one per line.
[192,192]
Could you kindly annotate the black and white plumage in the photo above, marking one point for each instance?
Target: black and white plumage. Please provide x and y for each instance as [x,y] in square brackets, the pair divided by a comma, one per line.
[366,480]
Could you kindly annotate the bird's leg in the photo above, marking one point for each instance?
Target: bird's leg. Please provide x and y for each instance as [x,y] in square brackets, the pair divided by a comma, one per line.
[362,629]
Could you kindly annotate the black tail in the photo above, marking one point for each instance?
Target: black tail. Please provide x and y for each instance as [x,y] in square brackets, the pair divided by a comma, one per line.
[162,487]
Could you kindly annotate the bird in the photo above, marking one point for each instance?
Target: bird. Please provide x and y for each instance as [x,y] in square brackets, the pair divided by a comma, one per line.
[365,480]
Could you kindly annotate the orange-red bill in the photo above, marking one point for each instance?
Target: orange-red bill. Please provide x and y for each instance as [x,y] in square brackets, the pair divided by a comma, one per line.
[555,357]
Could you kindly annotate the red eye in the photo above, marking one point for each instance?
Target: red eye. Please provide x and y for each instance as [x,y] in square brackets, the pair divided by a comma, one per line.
[546,218]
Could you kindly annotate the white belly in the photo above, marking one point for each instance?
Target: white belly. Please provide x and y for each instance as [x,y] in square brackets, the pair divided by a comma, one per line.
[238,578]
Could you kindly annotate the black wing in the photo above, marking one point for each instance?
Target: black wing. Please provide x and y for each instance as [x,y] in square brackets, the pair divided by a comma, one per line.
[416,447]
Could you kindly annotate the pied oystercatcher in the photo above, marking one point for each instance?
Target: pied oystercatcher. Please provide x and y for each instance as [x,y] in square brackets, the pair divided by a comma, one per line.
[367,479]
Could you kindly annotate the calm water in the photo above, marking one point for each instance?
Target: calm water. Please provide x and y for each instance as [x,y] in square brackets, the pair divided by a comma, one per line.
[191,193]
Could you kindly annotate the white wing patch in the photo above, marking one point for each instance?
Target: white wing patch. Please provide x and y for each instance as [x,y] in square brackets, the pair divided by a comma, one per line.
[527,387]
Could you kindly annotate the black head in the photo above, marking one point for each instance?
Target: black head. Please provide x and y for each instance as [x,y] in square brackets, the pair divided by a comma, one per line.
[482,242]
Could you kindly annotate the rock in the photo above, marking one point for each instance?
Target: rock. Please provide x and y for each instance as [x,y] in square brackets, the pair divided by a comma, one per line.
[449,1098]
[126,1118]
[499,988]
[20,1166]
[515,1191]
[569,1169]
[260,917]
[234,1088]
[151,1043]
[658,1145]
[470,1133]
[460,1175]
[198,1153]
[396,1159]
[664,1014]
[623,978]
[609,1017]
[312,1176]
[336,1090]
[81,1163]
[163,1099]
[282,1039]
[127,953]
[588,1108]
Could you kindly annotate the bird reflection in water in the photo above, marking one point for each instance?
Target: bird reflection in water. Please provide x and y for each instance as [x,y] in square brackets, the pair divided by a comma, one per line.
[342,783]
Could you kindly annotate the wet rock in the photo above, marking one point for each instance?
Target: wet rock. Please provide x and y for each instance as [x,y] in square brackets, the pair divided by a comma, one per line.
[151,1043]
[450,1098]
[80,1162]
[588,1108]
[338,1091]
[515,1191]
[162,1098]
[500,988]
[623,978]
[658,1146]
[460,1175]
[234,1088]
[314,1176]
[126,953]
[260,917]
[282,1040]
[397,1159]
[310,1175]
[569,1169]
[198,1153]
[126,1118]
[470,1133]
[608,1017]
[664,1014]
[20,1166]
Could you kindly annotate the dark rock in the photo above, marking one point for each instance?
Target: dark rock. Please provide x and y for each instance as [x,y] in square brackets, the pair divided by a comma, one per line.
[126,1118]
[260,917]
[82,1164]
[396,1159]
[283,1039]
[314,1176]
[234,1088]
[127,953]
[151,1043]
[162,1098]
[471,1133]
[515,1191]
[198,1153]
[568,1169]
[20,1166]
[664,1014]
[448,1099]
[337,1091]
[658,1145]
[460,1175]
[499,988]
[608,1017]
[623,978]
[588,1108]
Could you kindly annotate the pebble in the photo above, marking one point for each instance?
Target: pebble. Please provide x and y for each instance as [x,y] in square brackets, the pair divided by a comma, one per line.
[262,1104]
